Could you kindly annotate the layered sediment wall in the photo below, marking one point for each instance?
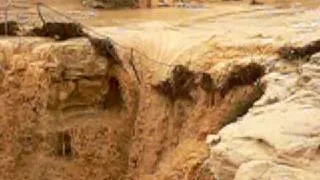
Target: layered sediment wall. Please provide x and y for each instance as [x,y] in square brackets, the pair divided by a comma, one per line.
[68,112]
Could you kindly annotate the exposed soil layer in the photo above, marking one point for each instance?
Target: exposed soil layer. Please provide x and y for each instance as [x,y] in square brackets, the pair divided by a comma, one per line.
[104,47]
[179,85]
[169,112]
[58,30]
[241,75]
[64,113]
[183,81]
[303,52]
[12,28]
[68,112]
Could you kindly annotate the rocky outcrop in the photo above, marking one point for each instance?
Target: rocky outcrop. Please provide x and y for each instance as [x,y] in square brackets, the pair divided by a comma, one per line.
[279,137]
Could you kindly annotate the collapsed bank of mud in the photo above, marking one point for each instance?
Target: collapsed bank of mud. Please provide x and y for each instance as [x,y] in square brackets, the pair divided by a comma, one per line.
[70,112]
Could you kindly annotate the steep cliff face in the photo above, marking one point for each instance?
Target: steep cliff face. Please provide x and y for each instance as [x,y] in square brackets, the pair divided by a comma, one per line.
[68,113]
[65,113]
[175,116]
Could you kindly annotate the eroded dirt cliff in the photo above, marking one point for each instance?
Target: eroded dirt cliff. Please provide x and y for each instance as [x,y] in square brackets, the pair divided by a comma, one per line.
[72,111]
[69,113]
[65,113]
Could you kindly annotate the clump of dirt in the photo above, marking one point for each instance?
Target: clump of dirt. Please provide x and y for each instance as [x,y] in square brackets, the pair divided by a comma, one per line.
[179,85]
[183,81]
[58,30]
[241,75]
[104,47]
[12,28]
[303,52]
